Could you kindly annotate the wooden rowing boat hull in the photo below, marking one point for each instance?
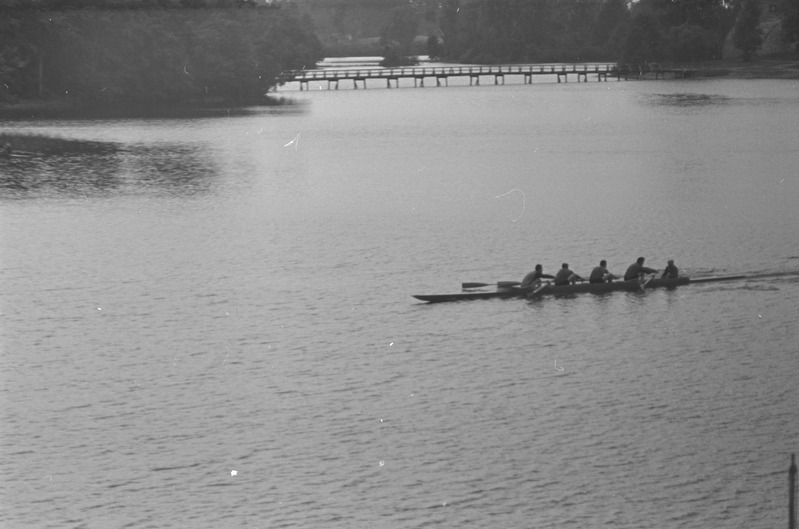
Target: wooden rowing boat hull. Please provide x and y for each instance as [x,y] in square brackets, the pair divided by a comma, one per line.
[513,292]
[596,288]
[566,290]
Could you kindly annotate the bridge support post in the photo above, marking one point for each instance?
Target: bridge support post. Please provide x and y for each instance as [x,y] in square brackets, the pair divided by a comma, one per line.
[475,79]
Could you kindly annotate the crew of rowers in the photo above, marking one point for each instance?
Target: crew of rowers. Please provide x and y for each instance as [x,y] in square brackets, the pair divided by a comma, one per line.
[600,274]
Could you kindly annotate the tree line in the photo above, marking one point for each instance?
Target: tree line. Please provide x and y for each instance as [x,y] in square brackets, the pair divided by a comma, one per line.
[165,51]
[489,31]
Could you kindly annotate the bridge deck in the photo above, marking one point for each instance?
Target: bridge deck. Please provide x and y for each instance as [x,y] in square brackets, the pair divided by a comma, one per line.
[441,73]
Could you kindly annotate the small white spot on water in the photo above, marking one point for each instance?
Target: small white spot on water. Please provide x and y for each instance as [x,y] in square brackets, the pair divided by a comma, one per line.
[234,472]
[382,463]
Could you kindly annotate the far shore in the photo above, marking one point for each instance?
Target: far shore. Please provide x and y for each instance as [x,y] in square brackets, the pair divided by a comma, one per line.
[55,108]
[758,68]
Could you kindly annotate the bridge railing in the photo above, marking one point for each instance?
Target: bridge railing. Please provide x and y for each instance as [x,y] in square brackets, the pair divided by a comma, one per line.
[432,71]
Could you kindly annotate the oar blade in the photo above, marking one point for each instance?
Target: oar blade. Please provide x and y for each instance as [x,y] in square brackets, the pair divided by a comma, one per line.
[473,285]
[717,278]
[499,284]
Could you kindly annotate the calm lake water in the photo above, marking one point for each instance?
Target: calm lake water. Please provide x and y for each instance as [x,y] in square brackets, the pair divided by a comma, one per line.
[211,325]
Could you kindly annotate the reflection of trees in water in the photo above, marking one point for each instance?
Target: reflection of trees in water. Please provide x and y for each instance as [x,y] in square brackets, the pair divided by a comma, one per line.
[176,168]
[68,174]
[138,169]
[689,100]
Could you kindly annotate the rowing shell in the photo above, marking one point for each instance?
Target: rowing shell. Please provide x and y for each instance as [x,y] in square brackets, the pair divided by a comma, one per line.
[564,290]
[512,292]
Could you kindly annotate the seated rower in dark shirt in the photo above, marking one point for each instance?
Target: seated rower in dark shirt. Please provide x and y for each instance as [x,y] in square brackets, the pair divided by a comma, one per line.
[566,276]
[637,269]
[535,277]
[600,274]
[671,271]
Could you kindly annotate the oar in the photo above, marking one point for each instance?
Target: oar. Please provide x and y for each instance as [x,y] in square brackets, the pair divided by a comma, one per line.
[643,283]
[499,284]
[718,278]
[538,290]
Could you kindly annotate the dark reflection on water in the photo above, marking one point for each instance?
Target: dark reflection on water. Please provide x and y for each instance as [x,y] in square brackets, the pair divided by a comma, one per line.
[178,169]
[135,169]
[689,100]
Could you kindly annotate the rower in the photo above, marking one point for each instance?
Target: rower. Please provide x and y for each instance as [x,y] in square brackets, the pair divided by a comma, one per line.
[600,274]
[535,277]
[637,270]
[671,271]
[566,276]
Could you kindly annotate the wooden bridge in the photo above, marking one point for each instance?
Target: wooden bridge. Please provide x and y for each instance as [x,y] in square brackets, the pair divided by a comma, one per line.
[441,74]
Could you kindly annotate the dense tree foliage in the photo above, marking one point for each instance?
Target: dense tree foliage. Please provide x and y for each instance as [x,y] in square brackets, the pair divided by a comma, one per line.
[582,30]
[401,29]
[149,50]
[488,31]
[790,23]
[746,34]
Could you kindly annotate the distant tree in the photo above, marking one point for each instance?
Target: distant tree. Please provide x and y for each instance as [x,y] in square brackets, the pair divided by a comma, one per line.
[401,29]
[644,41]
[612,14]
[691,43]
[433,47]
[790,23]
[746,34]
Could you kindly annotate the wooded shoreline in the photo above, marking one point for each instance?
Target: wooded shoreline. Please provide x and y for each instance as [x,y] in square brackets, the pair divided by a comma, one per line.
[760,68]
[70,108]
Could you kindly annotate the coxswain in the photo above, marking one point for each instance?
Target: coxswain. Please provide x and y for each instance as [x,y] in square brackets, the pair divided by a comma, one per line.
[535,277]
[600,274]
[637,270]
[7,150]
[671,271]
[566,276]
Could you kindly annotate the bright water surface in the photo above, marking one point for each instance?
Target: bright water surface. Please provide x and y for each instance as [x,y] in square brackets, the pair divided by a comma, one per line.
[213,327]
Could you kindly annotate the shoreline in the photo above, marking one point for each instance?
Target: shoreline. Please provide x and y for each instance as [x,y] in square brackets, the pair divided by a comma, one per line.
[758,68]
[755,69]
[55,108]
